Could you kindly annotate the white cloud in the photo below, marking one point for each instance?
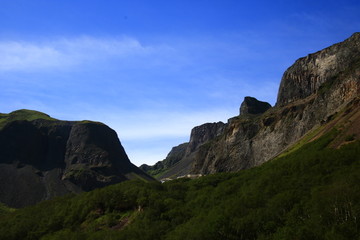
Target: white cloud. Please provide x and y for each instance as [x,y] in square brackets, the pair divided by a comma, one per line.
[65,52]
[18,56]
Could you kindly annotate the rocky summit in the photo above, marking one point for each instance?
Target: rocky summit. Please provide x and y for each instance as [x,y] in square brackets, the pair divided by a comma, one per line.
[41,157]
[316,93]
[251,105]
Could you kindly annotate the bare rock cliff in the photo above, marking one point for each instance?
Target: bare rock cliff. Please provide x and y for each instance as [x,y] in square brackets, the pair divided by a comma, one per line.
[311,92]
[308,74]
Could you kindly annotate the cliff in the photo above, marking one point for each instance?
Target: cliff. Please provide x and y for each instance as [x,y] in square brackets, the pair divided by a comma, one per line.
[319,70]
[41,157]
[315,92]
[312,92]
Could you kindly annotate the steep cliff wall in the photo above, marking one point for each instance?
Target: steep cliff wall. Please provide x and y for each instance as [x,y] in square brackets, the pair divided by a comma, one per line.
[42,157]
[308,74]
[311,92]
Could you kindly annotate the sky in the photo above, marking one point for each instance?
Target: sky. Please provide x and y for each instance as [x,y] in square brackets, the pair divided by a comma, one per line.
[153,70]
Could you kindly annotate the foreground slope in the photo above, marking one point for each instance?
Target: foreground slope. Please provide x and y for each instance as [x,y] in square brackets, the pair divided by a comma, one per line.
[41,157]
[311,192]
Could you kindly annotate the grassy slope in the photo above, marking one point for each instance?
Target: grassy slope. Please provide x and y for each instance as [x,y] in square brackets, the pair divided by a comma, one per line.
[22,114]
[311,193]
[5,209]
[30,115]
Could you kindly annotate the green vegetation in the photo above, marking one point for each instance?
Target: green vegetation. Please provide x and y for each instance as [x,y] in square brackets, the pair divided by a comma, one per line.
[350,138]
[304,140]
[4,209]
[90,122]
[23,114]
[311,193]
[30,115]
[157,172]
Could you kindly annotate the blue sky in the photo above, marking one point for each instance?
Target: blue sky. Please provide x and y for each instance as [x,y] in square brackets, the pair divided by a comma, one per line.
[152,70]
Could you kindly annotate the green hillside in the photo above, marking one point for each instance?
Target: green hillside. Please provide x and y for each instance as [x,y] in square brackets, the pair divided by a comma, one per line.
[22,114]
[311,193]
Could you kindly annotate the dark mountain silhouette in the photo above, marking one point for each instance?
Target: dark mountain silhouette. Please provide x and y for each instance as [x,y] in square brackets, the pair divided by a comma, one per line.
[41,157]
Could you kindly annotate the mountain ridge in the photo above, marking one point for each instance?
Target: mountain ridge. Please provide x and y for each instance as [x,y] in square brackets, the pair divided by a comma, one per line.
[312,91]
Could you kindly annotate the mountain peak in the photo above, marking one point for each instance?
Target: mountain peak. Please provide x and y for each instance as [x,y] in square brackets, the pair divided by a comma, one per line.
[251,105]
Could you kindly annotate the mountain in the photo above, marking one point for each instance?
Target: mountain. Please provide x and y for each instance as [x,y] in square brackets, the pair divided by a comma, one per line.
[309,190]
[313,91]
[42,157]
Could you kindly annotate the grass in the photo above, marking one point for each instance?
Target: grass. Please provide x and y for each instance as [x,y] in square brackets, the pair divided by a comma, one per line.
[23,115]
[304,140]
[5,209]
[30,115]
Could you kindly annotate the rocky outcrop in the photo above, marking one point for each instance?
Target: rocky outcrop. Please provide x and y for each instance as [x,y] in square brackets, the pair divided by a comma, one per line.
[202,134]
[43,158]
[251,105]
[312,93]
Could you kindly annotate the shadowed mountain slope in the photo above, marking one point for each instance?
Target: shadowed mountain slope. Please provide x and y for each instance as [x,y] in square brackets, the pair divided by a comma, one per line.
[41,157]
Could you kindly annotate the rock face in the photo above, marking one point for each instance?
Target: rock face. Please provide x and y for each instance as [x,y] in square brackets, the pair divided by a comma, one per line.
[202,134]
[42,158]
[313,91]
[251,105]
[308,74]
[179,160]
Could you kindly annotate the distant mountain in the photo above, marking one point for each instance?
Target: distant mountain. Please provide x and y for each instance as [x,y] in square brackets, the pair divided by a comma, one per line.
[42,157]
[179,160]
[315,90]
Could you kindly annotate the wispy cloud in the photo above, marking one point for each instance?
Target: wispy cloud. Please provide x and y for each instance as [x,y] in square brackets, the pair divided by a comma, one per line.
[153,92]
[66,52]
[22,56]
